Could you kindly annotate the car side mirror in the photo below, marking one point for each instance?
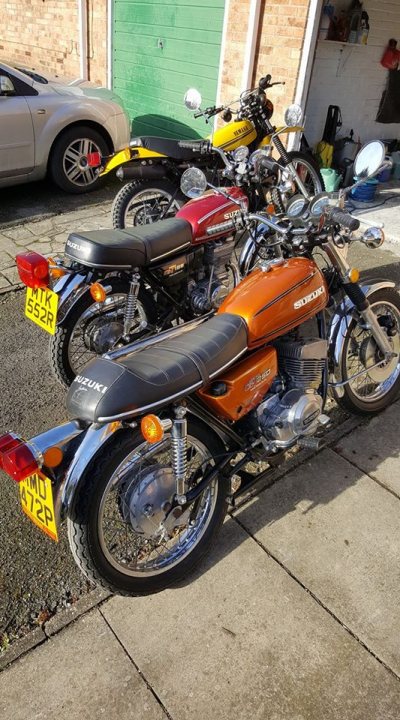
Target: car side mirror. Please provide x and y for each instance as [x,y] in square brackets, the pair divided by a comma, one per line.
[6,86]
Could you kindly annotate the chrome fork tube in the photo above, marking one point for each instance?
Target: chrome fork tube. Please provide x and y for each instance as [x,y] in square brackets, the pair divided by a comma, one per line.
[179,452]
[131,304]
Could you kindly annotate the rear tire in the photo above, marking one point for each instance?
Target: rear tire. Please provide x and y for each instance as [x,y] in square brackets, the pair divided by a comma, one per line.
[141,203]
[123,566]
[63,365]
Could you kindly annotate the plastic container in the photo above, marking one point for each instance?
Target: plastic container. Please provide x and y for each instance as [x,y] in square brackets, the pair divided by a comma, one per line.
[365,192]
[385,175]
[396,164]
[331,179]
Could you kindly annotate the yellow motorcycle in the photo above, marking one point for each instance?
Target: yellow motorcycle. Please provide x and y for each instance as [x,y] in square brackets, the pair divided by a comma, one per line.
[154,165]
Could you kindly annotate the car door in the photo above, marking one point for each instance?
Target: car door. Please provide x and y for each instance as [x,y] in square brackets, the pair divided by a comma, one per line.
[17,142]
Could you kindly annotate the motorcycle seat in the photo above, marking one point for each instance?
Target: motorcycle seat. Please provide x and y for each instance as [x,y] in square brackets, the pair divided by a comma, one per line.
[126,249]
[150,378]
[168,147]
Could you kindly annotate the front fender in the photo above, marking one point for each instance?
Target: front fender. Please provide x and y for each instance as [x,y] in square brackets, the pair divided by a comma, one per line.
[69,289]
[339,322]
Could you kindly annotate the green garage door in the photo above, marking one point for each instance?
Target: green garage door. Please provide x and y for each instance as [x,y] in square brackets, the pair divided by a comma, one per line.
[160,49]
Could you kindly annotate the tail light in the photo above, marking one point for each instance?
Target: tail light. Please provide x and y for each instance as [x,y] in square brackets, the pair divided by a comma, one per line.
[33,269]
[17,459]
[93,159]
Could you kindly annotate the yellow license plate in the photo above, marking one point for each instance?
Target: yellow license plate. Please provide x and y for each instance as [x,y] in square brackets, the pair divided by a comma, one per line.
[41,307]
[36,497]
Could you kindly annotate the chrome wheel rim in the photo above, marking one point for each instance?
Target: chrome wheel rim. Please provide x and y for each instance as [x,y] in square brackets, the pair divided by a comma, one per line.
[374,385]
[75,163]
[309,177]
[113,309]
[139,555]
[149,206]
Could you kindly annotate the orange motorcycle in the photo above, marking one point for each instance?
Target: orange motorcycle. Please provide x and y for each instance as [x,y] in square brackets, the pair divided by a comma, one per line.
[162,430]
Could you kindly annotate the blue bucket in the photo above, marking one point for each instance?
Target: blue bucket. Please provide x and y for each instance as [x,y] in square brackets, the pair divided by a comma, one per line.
[366,191]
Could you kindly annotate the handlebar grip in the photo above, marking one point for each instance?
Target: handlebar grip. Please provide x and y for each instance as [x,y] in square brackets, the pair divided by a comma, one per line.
[344,219]
[221,227]
[198,114]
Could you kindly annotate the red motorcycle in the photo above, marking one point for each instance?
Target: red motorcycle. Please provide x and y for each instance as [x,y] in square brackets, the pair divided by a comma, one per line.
[118,285]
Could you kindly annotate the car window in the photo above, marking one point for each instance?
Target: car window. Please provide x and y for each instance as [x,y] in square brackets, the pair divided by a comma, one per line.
[21,88]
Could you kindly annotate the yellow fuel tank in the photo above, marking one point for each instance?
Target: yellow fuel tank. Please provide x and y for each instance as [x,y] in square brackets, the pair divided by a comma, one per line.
[234,134]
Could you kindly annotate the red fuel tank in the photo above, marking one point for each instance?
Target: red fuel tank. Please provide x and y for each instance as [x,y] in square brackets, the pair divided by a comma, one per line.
[211,209]
[275,300]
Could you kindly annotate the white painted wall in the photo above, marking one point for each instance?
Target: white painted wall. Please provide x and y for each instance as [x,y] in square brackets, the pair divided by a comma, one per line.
[352,77]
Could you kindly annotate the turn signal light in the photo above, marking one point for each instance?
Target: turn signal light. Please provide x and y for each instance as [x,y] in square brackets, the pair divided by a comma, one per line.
[52,457]
[19,462]
[354,275]
[97,292]
[55,271]
[33,269]
[152,429]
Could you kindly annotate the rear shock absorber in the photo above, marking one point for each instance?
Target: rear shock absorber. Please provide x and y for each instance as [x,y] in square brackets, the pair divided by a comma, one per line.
[131,304]
[179,452]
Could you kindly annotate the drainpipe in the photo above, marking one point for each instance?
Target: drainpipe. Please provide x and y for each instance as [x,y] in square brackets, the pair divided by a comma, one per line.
[83,43]
[251,42]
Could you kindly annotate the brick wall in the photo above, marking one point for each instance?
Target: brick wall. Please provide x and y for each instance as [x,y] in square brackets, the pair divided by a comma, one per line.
[352,77]
[44,34]
[278,50]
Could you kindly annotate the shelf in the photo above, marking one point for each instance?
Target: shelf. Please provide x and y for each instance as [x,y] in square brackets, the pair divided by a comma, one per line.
[341,42]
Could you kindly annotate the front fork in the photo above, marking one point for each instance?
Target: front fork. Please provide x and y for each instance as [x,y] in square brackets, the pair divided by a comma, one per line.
[353,290]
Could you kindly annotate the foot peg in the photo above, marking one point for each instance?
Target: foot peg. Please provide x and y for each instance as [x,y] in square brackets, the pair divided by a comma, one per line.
[310,443]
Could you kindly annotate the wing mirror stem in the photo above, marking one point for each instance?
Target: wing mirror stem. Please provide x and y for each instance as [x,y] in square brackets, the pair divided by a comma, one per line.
[344,191]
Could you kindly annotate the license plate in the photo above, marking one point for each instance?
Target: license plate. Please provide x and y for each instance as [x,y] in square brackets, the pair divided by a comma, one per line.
[41,307]
[36,497]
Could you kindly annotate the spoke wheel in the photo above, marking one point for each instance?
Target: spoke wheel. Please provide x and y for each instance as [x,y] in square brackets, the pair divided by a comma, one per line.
[122,531]
[95,328]
[376,388]
[308,172]
[145,202]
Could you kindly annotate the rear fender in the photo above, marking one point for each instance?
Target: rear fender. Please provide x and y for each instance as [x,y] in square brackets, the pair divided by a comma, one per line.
[69,289]
[95,437]
[129,154]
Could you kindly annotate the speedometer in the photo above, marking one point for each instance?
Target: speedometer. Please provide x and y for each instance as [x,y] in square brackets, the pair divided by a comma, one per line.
[318,204]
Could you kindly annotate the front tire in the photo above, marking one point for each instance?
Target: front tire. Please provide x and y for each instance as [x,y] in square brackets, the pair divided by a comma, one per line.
[75,342]
[120,506]
[308,171]
[373,391]
[141,203]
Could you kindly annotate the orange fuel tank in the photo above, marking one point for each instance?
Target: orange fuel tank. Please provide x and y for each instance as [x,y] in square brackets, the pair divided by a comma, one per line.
[240,389]
[277,298]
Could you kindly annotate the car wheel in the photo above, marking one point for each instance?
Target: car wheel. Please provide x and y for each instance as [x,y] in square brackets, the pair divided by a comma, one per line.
[68,164]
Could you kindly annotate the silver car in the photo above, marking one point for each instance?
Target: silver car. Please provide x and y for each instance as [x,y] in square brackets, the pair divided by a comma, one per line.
[47,127]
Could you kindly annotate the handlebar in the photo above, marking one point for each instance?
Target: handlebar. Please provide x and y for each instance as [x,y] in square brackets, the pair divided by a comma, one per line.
[200,146]
[339,216]
[222,227]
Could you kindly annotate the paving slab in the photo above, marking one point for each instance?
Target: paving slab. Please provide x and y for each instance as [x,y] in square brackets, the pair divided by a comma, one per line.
[375,448]
[81,673]
[244,640]
[338,532]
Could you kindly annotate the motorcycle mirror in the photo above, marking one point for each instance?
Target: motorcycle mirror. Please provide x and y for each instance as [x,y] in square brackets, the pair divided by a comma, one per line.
[293,115]
[193,182]
[373,238]
[369,159]
[192,99]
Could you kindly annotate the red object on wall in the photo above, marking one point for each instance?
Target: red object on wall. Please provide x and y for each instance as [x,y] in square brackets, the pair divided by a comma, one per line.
[391,56]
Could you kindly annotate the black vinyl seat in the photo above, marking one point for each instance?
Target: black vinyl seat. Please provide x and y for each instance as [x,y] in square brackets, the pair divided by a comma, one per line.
[168,147]
[138,247]
[162,373]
